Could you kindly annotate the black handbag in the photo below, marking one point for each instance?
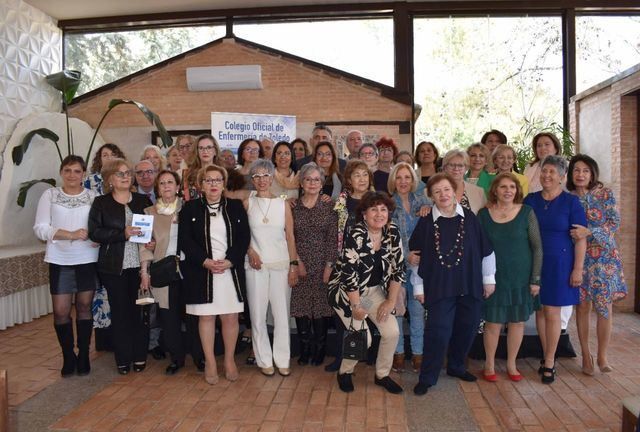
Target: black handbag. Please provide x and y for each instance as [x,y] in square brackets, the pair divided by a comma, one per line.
[354,344]
[165,271]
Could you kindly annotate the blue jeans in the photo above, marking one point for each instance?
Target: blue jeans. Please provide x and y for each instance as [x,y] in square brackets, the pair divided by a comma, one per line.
[416,323]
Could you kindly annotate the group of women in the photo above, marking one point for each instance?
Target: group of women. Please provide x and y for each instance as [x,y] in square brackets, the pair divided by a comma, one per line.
[458,236]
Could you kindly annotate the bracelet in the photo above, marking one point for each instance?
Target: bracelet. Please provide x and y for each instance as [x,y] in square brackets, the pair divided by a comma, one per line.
[293,262]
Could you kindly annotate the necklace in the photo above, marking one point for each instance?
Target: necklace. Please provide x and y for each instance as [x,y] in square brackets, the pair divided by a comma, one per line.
[452,257]
[547,203]
[265,219]
[504,212]
[214,208]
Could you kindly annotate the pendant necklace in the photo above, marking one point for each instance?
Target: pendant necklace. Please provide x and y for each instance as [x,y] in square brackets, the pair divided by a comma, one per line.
[547,203]
[213,208]
[265,219]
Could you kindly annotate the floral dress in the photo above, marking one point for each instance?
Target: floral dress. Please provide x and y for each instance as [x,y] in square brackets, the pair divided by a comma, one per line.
[603,280]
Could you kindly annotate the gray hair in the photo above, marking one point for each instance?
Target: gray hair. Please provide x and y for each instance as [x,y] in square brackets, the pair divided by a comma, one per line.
[455,153]
[557,161]
[368,145]
[264,164]
[309,168]
[135,167]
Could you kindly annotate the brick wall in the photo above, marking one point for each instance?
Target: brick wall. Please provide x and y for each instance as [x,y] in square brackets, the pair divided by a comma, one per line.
[623,150]
[290,87]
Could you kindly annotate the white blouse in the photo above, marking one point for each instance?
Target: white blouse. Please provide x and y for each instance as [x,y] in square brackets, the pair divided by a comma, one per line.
[57,210]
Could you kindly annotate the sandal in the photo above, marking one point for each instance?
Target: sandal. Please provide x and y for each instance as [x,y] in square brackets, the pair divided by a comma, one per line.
[251,359]
[548,379]
[243,344]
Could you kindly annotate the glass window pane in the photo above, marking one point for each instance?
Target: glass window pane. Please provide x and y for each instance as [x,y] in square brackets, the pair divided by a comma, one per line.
[360,47]
[605,46]
[477,74]
[105,57]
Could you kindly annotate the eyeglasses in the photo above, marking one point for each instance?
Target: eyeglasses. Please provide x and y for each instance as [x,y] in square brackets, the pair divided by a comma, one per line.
[228,157]
[251,150]
[284,153]
[386,150]
[456,166]
[324,155]
[311,180]
[212,181]
[261,176]
[167,182]
[143,173]
[368,154]
[207,148]
[122,174]
[184,146]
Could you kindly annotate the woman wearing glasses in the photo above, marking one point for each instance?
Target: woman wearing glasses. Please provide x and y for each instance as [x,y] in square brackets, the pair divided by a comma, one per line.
[272,269]
[214,233]
[249,151]
[503,158]
[316,233]
[456,163]
[204,154]
[324,155]
[110,225]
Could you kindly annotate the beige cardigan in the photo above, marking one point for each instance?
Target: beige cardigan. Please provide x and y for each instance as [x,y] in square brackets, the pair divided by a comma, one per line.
[476,196]
[161,230]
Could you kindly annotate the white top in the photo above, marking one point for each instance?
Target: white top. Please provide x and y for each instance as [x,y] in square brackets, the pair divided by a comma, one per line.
[268,239]
[57,210]
[532,172]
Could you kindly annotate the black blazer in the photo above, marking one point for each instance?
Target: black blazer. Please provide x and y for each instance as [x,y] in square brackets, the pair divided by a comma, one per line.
[194,240]
[107,222]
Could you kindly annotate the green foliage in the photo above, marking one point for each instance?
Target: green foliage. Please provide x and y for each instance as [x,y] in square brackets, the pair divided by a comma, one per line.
[529,129]
[67,82]
[17,154]
[25,186]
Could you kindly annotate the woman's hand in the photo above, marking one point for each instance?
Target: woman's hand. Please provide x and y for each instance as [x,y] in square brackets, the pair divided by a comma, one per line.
[151,246]
[131,231]
[325,198]
[535,289]
[302,270]
[576,277]
[292,202]
[292,278]
[488,290]
[145,282]
[424,211]
[326,274]
[420,298]
[413,258]
[384,310]
[254,259]
[81,234]
[219,266]
[579,232]
[359,313]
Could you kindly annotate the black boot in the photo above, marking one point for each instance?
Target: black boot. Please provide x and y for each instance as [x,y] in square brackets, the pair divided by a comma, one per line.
[304,335]
[65,338]
[84,329]
[320,340]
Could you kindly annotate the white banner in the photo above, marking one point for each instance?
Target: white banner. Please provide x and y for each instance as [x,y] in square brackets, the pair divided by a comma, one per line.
[230,129]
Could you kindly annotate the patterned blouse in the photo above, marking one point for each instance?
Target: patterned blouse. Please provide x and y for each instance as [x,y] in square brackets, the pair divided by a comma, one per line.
[355,266]
[603,277]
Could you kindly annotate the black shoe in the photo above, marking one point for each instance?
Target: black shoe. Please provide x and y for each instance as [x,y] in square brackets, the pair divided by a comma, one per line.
[541,366]
[345,383]
[199,365]
[334,366]
[139,367]
[123,370]
[84,328]
[421,389]
[173,368]
[548,375]
[389,385]
[65,338]
[464,376]
[157,353]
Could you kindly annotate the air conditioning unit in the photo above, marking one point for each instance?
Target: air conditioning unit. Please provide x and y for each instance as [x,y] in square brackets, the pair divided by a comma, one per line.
[216,78]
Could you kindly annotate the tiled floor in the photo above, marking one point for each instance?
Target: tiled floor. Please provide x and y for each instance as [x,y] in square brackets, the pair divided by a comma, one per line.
[309,399]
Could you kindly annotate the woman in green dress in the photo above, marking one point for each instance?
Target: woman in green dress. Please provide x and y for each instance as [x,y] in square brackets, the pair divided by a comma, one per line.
[514,232]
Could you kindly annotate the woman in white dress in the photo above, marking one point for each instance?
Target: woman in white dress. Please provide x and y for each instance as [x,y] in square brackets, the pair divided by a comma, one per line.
[213,233]
[272,269]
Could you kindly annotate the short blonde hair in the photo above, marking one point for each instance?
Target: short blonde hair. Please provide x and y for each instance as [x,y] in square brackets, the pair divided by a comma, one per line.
[391,182]
[109,169]
[203,172]
[453,154]
[155,148]
[501,149]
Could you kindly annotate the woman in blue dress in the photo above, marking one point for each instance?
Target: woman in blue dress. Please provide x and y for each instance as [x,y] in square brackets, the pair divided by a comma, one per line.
[557,212]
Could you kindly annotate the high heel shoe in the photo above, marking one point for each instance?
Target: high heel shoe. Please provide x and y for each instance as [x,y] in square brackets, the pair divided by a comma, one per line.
[139,366]
[551,377]
[588,370]
[605,368]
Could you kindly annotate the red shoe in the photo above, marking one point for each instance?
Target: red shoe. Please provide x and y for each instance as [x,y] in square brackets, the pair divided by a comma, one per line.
[491,378]
[515,378]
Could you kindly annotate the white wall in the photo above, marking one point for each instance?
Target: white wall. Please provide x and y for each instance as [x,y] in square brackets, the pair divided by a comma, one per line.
[30,49]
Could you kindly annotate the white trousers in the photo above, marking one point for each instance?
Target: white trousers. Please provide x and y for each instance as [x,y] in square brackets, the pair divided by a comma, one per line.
[269,287]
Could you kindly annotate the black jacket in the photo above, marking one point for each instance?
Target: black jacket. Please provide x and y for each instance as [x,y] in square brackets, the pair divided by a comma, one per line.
[194,240]
[106,226]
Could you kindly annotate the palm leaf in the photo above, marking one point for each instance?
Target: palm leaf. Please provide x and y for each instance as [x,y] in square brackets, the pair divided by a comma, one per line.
[25,186]
[18,152]
[67,82]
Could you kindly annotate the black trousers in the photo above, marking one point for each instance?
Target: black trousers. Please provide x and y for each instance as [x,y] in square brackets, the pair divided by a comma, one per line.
[451,322]
[171,322]
[130,332]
